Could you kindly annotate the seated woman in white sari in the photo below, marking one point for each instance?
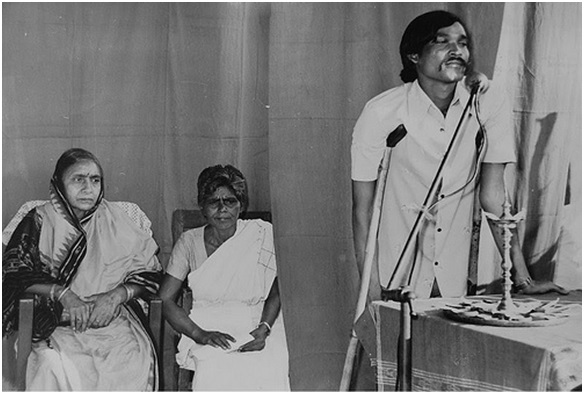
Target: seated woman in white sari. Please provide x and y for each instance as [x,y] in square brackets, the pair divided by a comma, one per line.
[234,338]
[86,260]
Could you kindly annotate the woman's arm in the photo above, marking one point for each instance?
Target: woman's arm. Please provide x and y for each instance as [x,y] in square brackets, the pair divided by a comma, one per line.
[269,315]
[78,310]
[106,306]
[272,304]
[492,197]
[179,319]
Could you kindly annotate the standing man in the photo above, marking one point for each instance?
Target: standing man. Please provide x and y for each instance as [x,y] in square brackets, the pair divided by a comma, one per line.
[436,53]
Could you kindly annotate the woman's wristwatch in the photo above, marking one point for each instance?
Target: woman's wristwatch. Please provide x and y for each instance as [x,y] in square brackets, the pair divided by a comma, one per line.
[267,326]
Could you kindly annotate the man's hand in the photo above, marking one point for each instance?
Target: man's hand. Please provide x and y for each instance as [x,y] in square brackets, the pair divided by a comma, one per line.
[477,78]
[542,287]
[260,334]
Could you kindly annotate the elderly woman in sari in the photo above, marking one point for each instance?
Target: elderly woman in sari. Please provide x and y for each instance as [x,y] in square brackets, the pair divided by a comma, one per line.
[85,259]
[234,336]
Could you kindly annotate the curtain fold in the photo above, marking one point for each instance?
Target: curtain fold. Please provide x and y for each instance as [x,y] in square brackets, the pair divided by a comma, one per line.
[159,91]
[216,108]
[540,61]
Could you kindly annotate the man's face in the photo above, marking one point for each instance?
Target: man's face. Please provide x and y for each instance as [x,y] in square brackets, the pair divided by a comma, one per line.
[445,58]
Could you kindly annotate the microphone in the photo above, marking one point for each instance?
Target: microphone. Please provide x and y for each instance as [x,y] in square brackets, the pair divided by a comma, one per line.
[474,87]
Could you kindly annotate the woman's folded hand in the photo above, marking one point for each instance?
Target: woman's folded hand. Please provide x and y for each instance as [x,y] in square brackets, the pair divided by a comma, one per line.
[106,307]
[79,311]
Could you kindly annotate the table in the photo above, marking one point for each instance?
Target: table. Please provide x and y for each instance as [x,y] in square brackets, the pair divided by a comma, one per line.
[454,356]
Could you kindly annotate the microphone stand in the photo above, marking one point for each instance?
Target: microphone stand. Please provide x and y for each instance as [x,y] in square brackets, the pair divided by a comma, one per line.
[405,294]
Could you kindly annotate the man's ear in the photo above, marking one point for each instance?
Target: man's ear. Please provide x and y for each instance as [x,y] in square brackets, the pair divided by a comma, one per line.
[413,58]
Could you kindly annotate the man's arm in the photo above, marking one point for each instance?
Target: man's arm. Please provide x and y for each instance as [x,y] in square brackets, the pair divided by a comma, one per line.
[363,194]
[492,197]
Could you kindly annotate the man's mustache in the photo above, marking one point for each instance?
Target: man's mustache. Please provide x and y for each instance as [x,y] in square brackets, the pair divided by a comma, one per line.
[461,60]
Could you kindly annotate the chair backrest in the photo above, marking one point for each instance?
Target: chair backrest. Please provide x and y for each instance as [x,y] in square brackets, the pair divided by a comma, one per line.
[132,209]
[183,220]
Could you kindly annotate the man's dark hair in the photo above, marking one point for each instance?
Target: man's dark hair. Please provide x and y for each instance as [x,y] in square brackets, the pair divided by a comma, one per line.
[420,32]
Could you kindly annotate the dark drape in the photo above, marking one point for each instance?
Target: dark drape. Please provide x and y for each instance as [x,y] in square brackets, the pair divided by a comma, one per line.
[158,91]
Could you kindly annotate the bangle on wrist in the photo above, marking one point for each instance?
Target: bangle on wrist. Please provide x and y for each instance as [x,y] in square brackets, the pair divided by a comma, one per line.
[266,325]
[63,293]
[523,283]
[52,292]
[129,293]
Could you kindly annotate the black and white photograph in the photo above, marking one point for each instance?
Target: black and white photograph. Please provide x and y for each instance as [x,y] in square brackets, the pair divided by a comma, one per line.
[270,197]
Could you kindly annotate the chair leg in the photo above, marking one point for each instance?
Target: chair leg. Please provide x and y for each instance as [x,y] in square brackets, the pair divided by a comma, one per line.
[185,380]
[184,377]
[155,322]
[24,344]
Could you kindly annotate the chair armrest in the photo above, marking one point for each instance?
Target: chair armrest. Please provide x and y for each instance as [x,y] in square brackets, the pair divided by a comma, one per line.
[156,325]
[24,346]
[155,319]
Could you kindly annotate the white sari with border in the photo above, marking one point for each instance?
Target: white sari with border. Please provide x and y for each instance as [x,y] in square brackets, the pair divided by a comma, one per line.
[229,290]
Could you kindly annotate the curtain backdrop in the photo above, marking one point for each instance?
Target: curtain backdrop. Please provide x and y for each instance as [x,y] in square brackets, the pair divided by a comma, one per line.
[158,91]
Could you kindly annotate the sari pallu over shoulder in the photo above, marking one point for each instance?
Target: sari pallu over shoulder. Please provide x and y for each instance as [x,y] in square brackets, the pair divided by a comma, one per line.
[31,259]
[23,264]
[241,269]
[21,268]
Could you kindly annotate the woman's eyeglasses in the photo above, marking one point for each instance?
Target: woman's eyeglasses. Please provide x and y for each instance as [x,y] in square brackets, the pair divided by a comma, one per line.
[217,202]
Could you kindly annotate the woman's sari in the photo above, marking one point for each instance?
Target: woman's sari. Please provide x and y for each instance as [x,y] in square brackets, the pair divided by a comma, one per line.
[229,290]
[92,255]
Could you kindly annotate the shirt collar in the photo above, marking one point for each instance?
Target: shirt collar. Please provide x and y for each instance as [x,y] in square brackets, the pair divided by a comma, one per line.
[461,94]
[423,103]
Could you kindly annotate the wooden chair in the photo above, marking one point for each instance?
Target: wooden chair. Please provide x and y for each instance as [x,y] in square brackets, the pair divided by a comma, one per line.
[183,220]
[26,315]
